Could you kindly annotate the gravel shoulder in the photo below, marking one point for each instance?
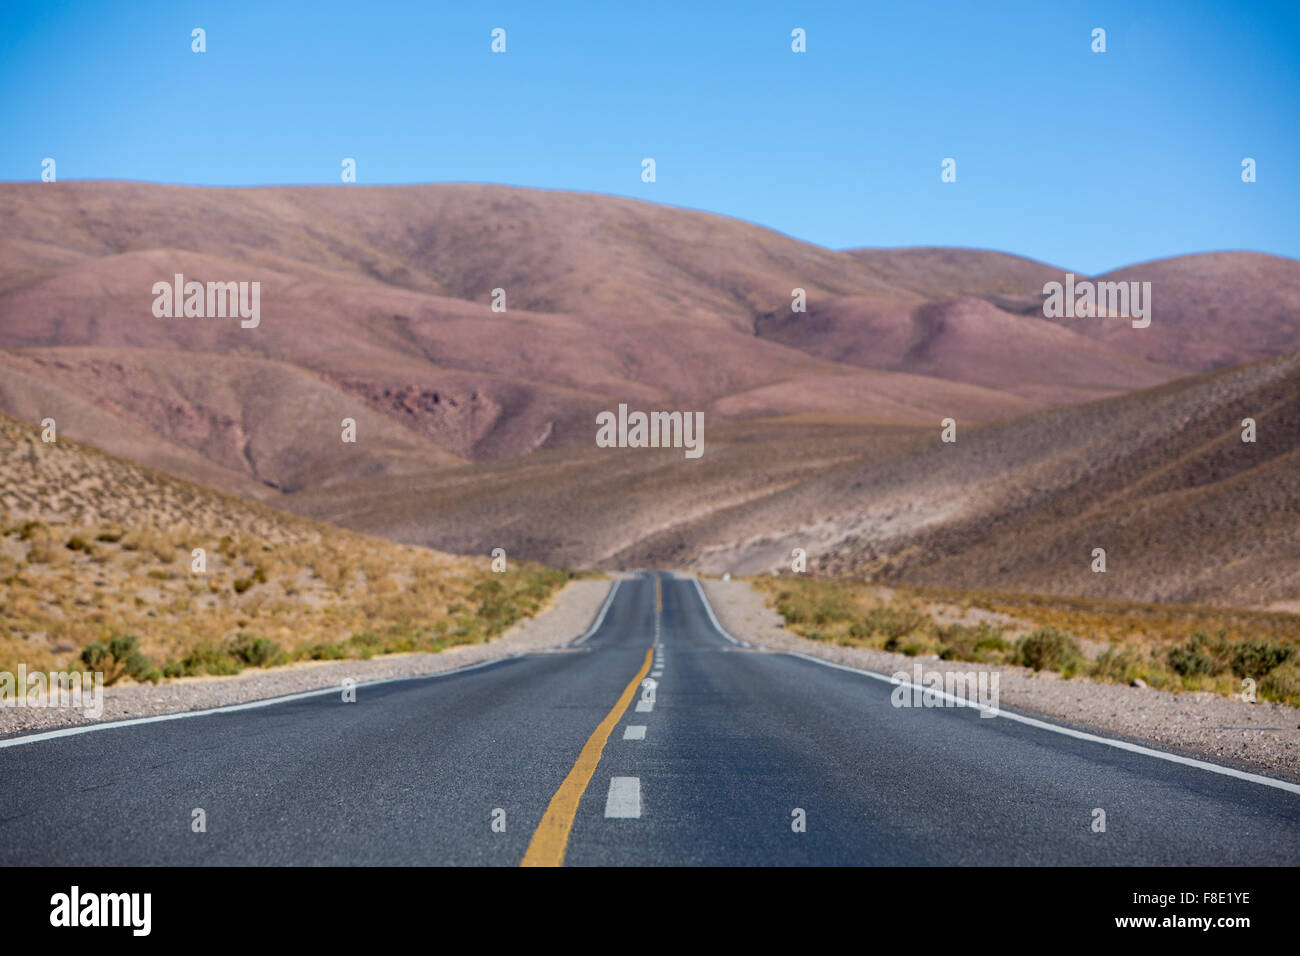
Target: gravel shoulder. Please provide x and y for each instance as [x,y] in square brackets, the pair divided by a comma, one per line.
[1262,737]
[568,616]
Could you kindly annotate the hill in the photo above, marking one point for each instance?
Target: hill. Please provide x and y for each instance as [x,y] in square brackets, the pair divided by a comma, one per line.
[95,549]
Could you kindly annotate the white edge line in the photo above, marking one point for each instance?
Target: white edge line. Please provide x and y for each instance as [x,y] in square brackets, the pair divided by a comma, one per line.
[230,708]
[713,618]
[1070,732]
[600,618]
[271,701]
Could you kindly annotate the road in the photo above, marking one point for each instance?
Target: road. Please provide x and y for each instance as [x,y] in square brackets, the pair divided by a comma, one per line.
[530,760]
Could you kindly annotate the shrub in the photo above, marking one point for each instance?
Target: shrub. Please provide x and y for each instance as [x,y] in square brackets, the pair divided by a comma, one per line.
[893,624]
[1201,655]
[252,649]
[78,543]
[1047,649]
[119,659]
[1117,665]
[958,642]
[327,652]
[1257,658]
[1190,661]
[1282,683]
[207,658]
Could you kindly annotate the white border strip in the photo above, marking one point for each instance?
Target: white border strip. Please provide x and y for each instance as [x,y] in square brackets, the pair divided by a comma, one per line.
[271,701]
[713,618]
[600,618]
[232,708]
[1069,732]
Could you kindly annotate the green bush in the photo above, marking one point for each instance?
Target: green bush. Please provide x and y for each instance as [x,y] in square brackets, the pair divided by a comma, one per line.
[252,649]
[1117,665]
[209,659]
[1282,683]
[1257,658]
[121,658]
[1047,649]
[327,652]
[1190,661]
[1201,655]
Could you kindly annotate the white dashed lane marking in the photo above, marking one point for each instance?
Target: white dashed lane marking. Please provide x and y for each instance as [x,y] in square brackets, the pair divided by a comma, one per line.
[634,732]
[624,800]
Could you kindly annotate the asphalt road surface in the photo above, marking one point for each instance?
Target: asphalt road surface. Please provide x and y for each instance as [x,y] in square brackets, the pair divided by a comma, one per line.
[740,758]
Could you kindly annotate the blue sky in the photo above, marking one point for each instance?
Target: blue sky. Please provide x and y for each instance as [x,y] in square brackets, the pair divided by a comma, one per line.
[1087,161]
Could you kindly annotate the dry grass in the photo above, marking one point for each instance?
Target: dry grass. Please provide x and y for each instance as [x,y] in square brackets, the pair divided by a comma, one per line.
[93,548]
[1174,647]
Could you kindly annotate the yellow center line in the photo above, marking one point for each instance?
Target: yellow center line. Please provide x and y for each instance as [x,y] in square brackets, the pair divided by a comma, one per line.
[659,595]
[551,838]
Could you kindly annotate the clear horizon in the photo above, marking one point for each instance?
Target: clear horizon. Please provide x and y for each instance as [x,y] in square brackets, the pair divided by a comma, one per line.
[1063,268]
[1086,161]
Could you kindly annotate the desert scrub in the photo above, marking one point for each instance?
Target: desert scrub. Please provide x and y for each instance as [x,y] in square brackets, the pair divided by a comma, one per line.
[254,650]
[804,604]
[258,576]
[391,599]
[1201,655]
[1048,649]
[1257,658]
[1282,684]
[120,658]
[891,623]
[1120,665]
[824,610]
[982,643]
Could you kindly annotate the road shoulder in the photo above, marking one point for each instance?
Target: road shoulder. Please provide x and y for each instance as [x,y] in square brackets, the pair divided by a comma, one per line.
[568,616]
[1263,737]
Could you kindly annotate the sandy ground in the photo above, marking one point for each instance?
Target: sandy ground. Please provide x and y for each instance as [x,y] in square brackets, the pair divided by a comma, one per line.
[1261,737]
[568,616]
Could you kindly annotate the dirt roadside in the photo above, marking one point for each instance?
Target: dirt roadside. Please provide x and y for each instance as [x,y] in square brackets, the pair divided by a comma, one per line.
[1263,737]
[568,616]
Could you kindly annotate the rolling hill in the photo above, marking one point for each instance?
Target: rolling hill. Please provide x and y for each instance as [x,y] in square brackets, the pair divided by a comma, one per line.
[475,426]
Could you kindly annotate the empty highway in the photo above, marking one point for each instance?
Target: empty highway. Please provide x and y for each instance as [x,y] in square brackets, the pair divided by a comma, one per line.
[654,739]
